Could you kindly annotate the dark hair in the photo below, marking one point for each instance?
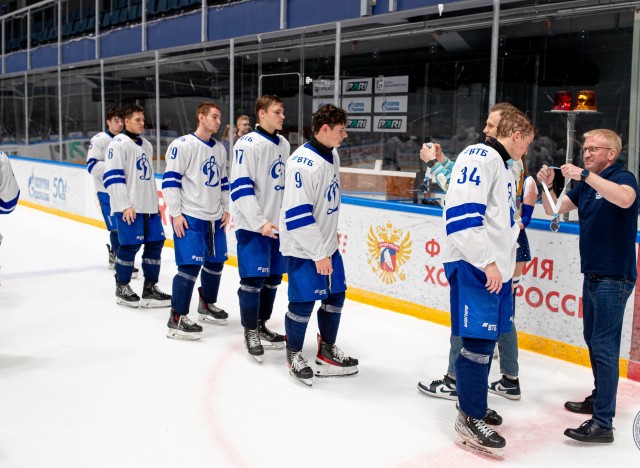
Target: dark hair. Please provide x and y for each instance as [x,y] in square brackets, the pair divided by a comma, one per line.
[204,108]
[113,111]
[266,101]
[330,115]
[131,109]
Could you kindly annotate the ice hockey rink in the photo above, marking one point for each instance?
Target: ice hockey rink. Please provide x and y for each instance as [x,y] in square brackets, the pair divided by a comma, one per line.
[87,383]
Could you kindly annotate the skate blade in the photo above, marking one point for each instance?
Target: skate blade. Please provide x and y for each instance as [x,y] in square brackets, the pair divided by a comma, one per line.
[328,370]
[208,319]
[154,304]
[489,452]
[307,382]
[134,305]
[257,358]
[177,335]
[270,345]
[134,275]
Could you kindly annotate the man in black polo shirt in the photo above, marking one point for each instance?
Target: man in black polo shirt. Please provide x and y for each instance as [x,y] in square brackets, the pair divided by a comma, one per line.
[607,203]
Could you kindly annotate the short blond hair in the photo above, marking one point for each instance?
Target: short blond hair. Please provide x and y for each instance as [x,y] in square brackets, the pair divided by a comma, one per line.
[514,120]
[612,138]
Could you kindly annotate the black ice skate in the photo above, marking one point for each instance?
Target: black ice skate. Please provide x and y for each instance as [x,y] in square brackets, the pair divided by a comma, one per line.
[152,297]
[492,418]
[181,328]
[299,367]
[332,362]
[209,313]
[112,263]
[125,296]
[476,436]
[252,343]
[270,339]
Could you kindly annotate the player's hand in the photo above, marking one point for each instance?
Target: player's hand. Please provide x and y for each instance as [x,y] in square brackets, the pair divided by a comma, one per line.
[324,267]
[268,228]
[569,171]
[180,225]
[428,152]
[545,175]
[225,219]
[494,278]
[129,215]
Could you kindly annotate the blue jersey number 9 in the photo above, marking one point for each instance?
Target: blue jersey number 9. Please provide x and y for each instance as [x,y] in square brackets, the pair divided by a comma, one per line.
[298,180]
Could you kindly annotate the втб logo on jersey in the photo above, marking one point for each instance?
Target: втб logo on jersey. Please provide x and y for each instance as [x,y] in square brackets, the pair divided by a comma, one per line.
[211,169]
[142,164]
[332,194]
[277,171]
[388,251]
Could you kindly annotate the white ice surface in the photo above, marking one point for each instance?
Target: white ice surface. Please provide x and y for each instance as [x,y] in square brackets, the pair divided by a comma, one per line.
[87,383]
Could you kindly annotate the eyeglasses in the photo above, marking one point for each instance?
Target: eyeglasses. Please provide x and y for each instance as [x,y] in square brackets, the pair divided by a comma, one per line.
[594,149]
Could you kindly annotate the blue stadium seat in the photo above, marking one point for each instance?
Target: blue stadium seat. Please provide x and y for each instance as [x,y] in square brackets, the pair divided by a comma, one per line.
[171,5]
[135,13]
[106,20]
[88,24]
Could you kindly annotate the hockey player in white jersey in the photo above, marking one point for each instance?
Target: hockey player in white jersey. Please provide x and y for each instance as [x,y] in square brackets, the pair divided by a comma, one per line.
[195,188]
[9,189]
[95,167]
[309,242]
[131,185]
[257,184]
[446,387]
[479,259]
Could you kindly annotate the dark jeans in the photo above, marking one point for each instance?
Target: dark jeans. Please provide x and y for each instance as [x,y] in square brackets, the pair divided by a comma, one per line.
[603,302]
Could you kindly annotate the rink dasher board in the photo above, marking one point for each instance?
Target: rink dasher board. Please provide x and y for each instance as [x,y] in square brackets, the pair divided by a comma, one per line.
[397,254]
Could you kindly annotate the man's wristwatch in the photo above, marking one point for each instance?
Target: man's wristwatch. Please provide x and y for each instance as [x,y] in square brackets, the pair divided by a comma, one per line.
[584,174]
[431,163]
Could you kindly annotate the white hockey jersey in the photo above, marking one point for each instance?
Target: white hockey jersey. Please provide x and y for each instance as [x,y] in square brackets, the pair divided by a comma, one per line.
[195,181]
[129,177]
[311,203]
[9,189]
[95,158]
[257,179]
[479,210]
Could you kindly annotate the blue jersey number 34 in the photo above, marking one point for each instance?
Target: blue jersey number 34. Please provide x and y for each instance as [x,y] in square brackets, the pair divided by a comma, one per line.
[473,177]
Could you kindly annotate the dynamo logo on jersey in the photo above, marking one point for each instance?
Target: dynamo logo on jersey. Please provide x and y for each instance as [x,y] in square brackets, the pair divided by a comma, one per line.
[277,171]
[211,169]
[332,194]
[142,164]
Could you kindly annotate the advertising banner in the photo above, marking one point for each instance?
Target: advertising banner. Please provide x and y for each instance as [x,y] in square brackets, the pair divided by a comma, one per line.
[392,84]
[361,123]
[390,104]
[357,86]
[385,123]
[356,105]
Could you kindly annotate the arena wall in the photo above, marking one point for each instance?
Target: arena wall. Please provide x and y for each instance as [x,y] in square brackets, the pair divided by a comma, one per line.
[392,256]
